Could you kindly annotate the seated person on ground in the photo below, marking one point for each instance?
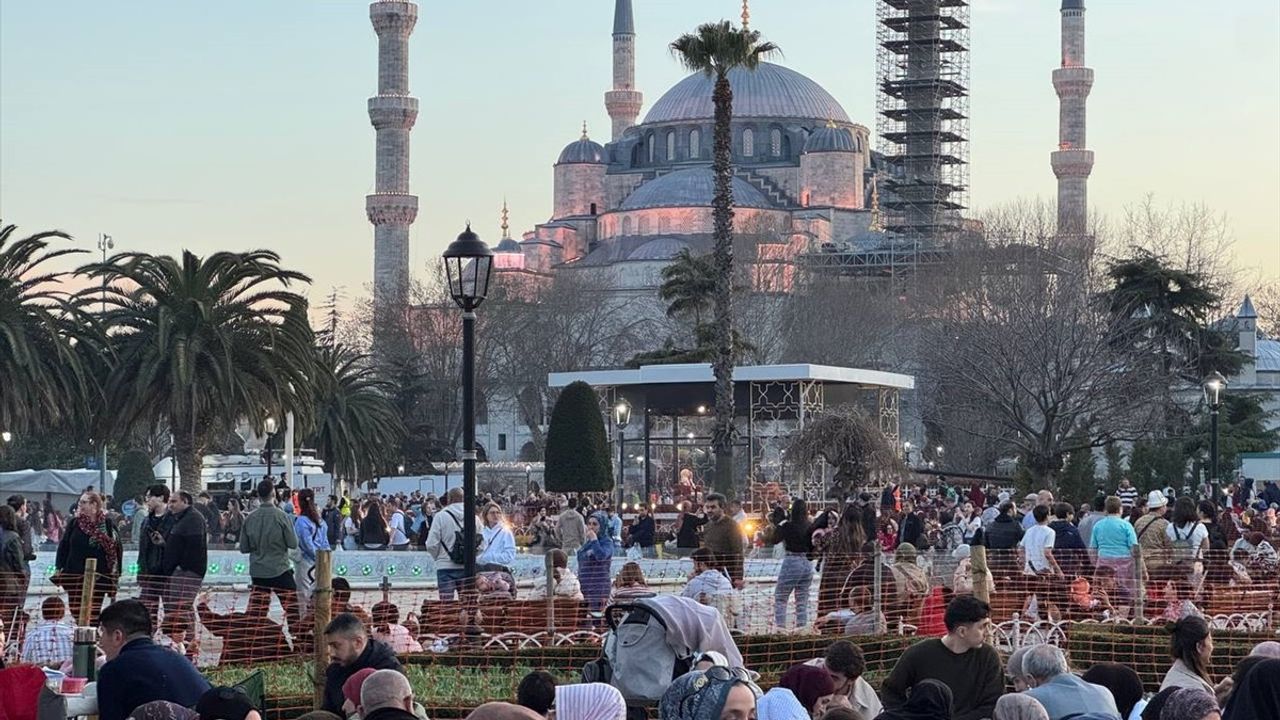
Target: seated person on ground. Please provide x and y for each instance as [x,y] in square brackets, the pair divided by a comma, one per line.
[1060,692]
[49,642]
[351,649]
[962,660]
[844,662]
[387,629]
[706,581]
[566,583]
[537,691]
[226,703]
[137,670]
[247,637]
[386,695]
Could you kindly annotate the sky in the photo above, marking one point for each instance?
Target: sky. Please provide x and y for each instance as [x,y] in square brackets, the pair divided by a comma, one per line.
[238,124]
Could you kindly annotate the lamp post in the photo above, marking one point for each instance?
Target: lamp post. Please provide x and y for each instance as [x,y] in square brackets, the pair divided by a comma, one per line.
[906,451]
[622,416]
[528,480]
[270,427]
[468,263]
[1213,387]
[6,436]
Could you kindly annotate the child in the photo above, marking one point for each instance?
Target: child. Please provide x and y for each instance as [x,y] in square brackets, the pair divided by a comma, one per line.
[565,582]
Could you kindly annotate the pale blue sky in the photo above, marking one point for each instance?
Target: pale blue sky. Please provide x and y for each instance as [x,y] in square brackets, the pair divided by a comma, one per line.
[237,124]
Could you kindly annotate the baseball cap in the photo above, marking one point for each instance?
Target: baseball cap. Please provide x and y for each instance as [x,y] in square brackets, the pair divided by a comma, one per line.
[1156,499]
[224,703]
[1032,497]
[1004,497]
[351,688]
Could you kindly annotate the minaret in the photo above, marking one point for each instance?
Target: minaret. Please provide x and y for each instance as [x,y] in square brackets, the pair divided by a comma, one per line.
[1072,163]
[391,208]
[623,101]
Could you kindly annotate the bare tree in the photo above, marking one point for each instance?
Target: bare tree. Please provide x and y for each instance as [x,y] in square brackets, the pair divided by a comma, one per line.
[1020,352]
[1190,236]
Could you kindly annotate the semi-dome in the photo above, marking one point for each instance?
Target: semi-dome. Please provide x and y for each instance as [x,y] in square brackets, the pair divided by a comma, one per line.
[663,248]
[582,150]
[693,187]
[769,91]
[829,139]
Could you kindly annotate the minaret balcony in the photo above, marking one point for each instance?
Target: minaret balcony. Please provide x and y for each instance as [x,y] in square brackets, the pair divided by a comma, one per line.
[1072,81]
[391,208]
[393,111]
[1072,163]
[393,17]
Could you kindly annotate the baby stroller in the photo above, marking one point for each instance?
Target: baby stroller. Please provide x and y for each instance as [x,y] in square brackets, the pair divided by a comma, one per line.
[652,641]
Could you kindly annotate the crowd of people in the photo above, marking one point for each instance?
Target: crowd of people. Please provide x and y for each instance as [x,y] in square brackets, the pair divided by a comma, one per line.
[907,553]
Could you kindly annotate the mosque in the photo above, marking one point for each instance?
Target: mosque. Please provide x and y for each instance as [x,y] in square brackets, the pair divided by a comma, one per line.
[803,179]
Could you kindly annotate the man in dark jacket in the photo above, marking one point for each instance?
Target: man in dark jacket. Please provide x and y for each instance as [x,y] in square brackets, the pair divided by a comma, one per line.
[642,531]
[911,529]
[186,558]
[332,517]
[155,527]
[1003,536]
[351,649]
[1068,547]
[212,517]
[137,670]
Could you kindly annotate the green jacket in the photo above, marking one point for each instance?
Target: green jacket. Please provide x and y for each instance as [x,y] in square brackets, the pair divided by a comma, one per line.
[268,537]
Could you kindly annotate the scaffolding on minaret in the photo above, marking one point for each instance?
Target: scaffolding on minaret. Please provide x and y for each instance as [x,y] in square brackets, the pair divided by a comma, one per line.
[922,125]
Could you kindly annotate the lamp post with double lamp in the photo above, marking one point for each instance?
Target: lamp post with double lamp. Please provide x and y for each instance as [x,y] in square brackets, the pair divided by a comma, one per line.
[621,417]
[468,263]
[1213,387]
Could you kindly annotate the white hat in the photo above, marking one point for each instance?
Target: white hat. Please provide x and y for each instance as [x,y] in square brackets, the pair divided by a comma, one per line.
[1156,499]
[1032,497]
[1004,497]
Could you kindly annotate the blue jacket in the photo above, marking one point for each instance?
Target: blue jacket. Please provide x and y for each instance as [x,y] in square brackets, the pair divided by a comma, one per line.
[1066,695]
[143,672]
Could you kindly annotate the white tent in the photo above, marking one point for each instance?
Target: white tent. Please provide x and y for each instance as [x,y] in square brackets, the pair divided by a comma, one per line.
[64,486]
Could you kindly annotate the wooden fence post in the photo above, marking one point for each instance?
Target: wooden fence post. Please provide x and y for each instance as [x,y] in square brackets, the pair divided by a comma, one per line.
[1139,584]
[86,591]
[551,596]
[981,573]
[322,602]
[877,584]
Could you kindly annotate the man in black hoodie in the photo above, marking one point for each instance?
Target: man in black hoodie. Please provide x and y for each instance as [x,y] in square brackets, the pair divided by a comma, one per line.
[351,649]
[186,559]
[152,579]
[1003,536]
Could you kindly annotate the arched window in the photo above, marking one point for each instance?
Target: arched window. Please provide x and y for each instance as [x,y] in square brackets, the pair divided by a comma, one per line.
[626,225]
[637,152]
[748,143]
[642,226]
[650,144]
[664,224]
[671,145]
[775,142]
[695,149]
[786,146]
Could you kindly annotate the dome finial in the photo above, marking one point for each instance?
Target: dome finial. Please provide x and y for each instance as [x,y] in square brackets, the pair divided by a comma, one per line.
[746,15]
[831,123]
[584,130]
[506,232]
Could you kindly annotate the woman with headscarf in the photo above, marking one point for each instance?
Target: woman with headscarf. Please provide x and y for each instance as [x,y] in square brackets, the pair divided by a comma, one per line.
[1019,707]
[589,701]
[927,700]
[909,578]
[1257,695]
[809,683]
[162,710]
[1192,704]
[715,694]
[91,534]
[1125,686]
[780,704]
[594,558]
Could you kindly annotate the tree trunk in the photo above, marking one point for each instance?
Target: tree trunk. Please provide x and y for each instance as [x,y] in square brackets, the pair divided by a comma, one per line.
[189,455]
[723,436]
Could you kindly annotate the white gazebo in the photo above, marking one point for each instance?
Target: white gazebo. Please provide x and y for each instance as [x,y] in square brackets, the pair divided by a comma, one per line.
[672,412]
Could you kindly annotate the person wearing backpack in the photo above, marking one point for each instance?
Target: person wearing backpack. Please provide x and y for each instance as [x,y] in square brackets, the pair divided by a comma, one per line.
[1188,536]
[445,543]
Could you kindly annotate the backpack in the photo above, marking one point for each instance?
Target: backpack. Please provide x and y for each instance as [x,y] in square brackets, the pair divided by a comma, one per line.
[1183,550]
[636,659]
[458,553]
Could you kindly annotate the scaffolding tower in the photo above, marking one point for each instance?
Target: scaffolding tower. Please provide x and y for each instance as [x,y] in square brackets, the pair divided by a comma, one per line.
[922,126]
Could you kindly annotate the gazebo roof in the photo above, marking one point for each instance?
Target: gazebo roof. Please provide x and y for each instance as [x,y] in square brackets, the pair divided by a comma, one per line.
[694,373]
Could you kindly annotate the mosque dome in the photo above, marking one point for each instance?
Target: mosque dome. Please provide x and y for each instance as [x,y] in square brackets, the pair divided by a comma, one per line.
[830,139]
[582,150]
[508,245]
[769,91]
[663,248]
[693,187]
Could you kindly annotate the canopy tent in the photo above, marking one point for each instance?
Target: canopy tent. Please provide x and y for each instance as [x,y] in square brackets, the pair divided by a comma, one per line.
[64,486]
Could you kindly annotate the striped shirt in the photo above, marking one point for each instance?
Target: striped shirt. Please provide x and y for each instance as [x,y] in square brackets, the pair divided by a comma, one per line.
[1128,496]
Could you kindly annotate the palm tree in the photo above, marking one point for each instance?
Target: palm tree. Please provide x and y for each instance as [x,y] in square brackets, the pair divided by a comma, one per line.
[688,284]
[714,49]
[357,426]
[202,343]
[44,379]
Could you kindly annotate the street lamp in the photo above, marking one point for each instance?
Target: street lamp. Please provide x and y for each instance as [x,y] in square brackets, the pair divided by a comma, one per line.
[6,436]
[622,416]
[270,427]
[400,469]
[1213,387]
[528,480]
[468,263]
[906,451]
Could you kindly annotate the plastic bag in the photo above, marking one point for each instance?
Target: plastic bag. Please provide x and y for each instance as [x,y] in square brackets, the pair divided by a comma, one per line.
[634,553]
